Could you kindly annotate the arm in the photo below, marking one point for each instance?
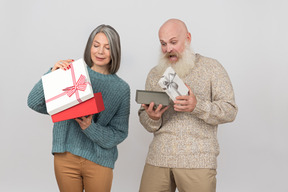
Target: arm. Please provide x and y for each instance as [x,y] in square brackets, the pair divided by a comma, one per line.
[151,118]
[222,107]
[36,99]
[116,130]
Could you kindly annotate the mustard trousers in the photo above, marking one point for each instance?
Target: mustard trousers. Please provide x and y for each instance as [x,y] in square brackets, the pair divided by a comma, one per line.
[74,174]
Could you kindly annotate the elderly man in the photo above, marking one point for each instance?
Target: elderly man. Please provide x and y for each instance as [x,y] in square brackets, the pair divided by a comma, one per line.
[184,149]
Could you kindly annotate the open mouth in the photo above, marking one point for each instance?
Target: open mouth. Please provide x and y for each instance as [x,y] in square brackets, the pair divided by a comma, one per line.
[172,57]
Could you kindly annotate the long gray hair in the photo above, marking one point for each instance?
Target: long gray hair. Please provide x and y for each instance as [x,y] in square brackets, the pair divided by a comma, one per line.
[114,44]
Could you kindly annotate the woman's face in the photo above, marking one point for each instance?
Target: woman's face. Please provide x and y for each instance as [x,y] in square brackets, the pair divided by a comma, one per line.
[100,51]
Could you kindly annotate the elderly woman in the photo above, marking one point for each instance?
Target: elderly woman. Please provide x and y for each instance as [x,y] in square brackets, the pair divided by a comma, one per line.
[85,149]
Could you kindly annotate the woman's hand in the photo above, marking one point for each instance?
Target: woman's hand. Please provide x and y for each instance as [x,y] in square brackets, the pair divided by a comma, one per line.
[84,122]
[154,114]
[63,64]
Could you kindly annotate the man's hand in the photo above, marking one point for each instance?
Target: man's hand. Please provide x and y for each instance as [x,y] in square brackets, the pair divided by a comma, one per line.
[84,122]
[185,103]
[154,114]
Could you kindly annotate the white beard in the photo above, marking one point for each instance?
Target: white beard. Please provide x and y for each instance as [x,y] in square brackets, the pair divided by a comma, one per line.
[182,67]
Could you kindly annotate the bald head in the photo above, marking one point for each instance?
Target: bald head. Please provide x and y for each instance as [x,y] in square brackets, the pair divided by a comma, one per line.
[173,36]
[173,24]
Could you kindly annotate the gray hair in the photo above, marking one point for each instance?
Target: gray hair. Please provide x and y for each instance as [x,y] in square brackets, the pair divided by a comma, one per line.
[114,44]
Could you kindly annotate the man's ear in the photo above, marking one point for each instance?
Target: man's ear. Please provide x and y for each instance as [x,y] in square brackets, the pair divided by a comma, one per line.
[189,37]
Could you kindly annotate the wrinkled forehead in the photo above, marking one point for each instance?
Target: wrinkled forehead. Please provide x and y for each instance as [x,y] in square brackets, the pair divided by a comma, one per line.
[172,30]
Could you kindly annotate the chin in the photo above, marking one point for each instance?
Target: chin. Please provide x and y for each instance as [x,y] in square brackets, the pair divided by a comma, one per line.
[172,62]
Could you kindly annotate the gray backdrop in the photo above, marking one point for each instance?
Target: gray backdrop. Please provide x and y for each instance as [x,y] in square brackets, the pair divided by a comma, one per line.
[249,38]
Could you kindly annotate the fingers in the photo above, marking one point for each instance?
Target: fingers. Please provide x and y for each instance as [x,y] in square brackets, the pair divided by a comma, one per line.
[158,109]
[78,120]
[154,113]
[145,106]
[185,103]
[164,109]
[86,119]
[182,98]
[84,122]
[89,118]
[151,107]
[63,64]
[190,91]
[181,107]
[185,97]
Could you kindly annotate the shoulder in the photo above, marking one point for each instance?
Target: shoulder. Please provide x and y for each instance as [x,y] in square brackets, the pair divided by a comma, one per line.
[212,67]
[152,79]
[120,83]
[155,74]
[206,60]
[209,63]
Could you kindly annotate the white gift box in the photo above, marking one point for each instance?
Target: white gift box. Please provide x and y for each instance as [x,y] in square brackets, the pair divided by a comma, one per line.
[64,89]
[172,84]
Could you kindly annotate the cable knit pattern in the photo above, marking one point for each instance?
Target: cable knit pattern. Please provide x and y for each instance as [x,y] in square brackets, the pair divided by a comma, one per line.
[189,140]
[97,143]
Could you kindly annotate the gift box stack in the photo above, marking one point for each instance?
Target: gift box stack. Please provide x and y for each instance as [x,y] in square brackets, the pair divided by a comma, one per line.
[68,94]
[170,83]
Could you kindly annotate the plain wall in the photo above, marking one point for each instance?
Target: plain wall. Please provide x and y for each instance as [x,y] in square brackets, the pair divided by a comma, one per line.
[249,38]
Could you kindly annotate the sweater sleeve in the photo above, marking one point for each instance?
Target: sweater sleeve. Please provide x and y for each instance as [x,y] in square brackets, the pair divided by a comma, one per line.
[116,130]
[149,124]
[222,107]
[36,99]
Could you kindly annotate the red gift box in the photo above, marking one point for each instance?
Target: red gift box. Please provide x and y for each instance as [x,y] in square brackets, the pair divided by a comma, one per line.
[88,107]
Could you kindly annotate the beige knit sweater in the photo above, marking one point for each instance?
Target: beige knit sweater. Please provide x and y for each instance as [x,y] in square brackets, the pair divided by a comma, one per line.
[189,139]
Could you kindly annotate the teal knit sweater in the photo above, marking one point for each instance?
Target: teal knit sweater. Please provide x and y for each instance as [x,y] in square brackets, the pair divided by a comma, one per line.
[98,143]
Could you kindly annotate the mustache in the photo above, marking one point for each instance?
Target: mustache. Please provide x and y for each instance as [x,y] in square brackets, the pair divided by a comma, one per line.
[171,54]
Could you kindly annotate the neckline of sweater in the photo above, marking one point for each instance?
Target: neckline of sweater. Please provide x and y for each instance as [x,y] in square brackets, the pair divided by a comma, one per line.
[100,75]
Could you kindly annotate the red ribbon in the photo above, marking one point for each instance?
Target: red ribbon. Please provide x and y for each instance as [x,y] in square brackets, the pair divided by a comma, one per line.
[80,85]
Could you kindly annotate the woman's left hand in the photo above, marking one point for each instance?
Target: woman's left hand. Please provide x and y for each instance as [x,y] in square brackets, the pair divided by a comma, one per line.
[84,122]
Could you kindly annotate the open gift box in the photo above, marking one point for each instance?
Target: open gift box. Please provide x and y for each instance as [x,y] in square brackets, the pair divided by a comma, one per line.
[146,97]
[64,89]
[88,107]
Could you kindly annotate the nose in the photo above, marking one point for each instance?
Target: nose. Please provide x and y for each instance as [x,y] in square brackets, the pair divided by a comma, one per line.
[169,48]
[100,50]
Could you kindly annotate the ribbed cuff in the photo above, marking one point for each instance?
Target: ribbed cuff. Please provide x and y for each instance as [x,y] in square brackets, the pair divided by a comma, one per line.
[200,107]
[153,124]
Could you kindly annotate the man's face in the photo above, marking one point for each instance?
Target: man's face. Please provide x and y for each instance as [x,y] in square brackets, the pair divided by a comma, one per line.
[172,39]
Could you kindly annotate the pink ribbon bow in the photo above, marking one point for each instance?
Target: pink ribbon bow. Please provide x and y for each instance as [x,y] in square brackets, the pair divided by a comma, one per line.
[80,85]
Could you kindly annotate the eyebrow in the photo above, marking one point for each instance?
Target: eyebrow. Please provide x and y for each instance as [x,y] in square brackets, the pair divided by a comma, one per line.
[95,41]
[171,39]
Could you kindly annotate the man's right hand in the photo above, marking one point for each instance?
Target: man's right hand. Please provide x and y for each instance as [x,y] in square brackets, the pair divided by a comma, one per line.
[154,114]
